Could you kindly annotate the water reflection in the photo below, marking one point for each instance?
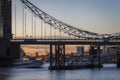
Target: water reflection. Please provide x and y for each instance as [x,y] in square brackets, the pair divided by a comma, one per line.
[45,74]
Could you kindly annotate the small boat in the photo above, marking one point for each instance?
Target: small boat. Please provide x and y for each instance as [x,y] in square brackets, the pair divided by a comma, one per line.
[109,65]
[28,64]
[32,62]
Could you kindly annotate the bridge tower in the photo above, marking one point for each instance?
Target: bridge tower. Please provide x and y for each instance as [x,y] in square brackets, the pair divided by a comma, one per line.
[5,19]
[6,53]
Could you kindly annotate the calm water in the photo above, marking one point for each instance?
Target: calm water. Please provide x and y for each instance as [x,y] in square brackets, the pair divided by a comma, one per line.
[45,74]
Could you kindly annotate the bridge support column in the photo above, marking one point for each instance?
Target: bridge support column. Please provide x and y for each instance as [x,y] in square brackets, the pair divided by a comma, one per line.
[95,56]
[51,57]
[59,57]
[99,59]
[118,59]
[64,56]
[92,54]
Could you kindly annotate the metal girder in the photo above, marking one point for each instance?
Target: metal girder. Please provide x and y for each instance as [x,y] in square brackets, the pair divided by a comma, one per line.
[115,35]
[57,24]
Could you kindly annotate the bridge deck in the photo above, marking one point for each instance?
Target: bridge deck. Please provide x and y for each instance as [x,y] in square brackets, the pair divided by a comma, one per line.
[65,41]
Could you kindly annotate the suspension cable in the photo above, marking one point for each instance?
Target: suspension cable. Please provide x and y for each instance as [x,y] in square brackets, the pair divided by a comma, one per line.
[50,30]
[32,25]
[45,17]
[45,31]
[41,29]
[35,26]
[15,18]
[55,33]
[60,34]
[23,21]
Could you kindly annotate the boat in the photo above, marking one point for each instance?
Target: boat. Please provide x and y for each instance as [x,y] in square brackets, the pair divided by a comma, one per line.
[28,64]
[31,62]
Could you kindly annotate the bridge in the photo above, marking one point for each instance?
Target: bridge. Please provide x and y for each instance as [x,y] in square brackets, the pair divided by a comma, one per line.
[38,27]
[42,26]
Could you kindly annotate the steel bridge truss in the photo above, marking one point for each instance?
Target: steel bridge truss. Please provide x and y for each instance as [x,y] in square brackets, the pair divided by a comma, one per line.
[61,26]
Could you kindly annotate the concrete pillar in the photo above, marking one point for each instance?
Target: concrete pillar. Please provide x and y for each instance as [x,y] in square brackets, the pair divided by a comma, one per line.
[56,55]
[5,51]
[64,55]
[59,57]
[95,55]
[4,47]
[91,53]
[51,57]
[99,58]
[8,52]
[15,51]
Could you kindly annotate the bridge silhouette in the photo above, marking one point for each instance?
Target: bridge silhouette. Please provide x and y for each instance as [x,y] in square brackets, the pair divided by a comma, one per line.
[31,25]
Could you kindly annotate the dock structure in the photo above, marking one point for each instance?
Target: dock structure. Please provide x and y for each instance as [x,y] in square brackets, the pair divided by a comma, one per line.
[59,59]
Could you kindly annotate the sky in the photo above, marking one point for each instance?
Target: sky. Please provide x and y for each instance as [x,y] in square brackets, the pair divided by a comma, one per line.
[101,16]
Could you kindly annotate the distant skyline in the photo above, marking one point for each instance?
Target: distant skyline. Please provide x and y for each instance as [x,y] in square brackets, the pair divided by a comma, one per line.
[102,16]
[44,49]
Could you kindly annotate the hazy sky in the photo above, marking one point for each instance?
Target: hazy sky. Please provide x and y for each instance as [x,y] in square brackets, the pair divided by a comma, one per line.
[102,16]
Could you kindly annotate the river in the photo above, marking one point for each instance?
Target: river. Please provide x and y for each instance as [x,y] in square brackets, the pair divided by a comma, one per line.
[45,74]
